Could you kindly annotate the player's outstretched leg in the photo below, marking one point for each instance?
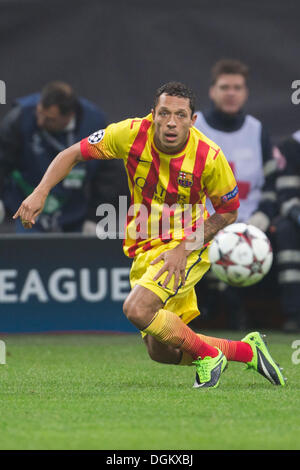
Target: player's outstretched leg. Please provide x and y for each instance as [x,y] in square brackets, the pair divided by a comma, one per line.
[142,307]
[208,370]
[233,350]
[209,361]
[262,360]
[251,350]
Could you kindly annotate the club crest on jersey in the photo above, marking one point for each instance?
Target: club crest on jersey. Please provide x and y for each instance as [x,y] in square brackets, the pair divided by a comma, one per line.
[96,137]
[185,179]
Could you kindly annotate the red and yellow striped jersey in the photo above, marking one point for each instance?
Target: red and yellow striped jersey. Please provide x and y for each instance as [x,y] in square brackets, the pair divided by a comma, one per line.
[161,183]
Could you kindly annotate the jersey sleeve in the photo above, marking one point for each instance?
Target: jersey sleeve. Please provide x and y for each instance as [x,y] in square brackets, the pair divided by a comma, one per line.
[220,184]
[107,144]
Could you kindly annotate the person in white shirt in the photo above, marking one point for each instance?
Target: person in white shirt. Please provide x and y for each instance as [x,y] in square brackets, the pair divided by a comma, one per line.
[247,147]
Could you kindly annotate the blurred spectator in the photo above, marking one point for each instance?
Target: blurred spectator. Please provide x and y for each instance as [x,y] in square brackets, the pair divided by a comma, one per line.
[247,146]
[242,137]
[287,229]
[36,129]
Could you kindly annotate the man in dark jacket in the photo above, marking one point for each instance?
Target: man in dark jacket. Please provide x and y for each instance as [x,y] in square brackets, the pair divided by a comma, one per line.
[287,229]
[31,134]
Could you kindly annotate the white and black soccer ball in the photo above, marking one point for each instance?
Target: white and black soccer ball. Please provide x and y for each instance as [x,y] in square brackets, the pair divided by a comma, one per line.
[240,255]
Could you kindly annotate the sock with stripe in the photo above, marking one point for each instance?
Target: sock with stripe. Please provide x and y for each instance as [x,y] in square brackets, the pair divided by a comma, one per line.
[233,350]
[168,328]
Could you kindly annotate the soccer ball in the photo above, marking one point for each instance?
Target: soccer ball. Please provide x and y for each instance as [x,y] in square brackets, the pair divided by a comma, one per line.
[240,255]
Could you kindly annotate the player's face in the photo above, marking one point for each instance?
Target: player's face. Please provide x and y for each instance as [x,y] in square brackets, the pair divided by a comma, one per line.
[173,120]
[229,93]
[51,118]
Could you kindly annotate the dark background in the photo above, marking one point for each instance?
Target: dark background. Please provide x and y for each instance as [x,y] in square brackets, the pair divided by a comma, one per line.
[117,53]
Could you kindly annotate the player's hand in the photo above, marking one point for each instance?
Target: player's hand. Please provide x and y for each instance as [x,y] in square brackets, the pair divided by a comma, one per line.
[30,208]
[174,264]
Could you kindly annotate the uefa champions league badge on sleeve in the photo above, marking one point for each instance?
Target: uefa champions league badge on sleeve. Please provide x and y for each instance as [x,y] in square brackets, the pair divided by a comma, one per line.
[96,137]
[230,195]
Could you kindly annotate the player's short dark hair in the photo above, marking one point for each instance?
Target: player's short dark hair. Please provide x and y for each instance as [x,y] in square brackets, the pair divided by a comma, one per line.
[229,66]
[60,94]
[176,89]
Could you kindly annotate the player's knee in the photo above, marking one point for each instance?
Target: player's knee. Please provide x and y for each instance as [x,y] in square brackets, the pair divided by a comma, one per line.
[129,309]
[136,313]
[140,307]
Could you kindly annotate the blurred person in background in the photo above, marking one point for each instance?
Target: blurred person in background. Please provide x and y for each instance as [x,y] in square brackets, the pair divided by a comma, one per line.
[248,149]
[286,227]
[31,134]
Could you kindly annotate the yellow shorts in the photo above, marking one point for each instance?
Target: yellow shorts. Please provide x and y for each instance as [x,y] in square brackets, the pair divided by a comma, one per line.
[183,302]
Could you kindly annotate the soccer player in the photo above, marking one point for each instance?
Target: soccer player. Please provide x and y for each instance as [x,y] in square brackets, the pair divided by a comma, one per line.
[167,161]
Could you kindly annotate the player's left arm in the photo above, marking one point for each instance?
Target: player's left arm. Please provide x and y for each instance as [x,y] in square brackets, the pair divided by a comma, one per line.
[102,145]
[217,222]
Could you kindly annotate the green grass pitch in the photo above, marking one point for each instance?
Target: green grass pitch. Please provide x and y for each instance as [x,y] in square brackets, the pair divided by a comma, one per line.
[103,392]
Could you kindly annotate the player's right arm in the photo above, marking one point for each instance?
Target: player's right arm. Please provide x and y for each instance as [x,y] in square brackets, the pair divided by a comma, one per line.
[105,144]
[58,169]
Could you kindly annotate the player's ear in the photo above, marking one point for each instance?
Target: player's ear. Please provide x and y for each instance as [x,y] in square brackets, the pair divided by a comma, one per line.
[194,119]
[153,112]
